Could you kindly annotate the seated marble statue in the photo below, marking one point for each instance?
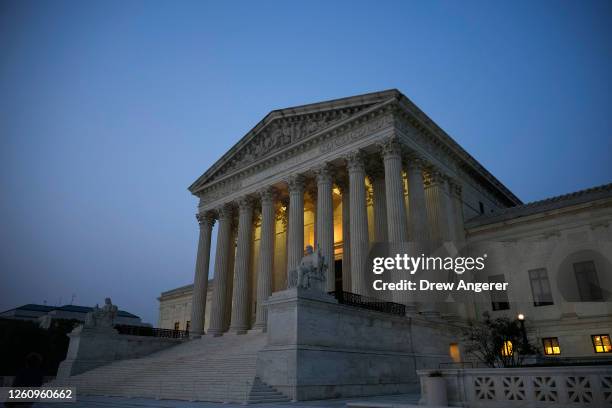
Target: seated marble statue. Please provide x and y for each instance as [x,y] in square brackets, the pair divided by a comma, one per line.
[102,317]
[311,271]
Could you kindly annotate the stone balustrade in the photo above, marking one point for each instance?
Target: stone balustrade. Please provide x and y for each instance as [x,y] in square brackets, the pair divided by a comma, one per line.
[568,386]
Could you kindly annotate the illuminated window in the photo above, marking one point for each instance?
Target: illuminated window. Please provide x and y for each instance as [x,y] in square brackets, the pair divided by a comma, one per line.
[601,343]
[507,348]
[454,352]
[177,325]
[188,325]
[551,346]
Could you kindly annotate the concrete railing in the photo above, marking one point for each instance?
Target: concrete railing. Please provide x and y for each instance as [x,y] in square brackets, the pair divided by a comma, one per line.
[586,386]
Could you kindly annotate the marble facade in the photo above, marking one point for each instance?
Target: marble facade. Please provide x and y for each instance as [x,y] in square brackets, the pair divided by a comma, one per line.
[288,181]
[348,173]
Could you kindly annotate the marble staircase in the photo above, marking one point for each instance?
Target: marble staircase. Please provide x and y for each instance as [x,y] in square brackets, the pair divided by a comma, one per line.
[206,369]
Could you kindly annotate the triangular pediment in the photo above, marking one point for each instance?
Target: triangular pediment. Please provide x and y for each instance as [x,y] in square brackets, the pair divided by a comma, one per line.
[285,127]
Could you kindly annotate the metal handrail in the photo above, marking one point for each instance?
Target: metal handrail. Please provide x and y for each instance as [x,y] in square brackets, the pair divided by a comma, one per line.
[151,331]
[365,302]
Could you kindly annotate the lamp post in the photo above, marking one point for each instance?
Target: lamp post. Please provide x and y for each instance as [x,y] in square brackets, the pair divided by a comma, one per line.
[521,319]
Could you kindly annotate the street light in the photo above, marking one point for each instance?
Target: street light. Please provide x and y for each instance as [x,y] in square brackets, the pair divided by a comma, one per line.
[521,319]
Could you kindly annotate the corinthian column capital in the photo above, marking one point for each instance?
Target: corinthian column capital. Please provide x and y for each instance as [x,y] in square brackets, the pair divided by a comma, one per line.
[434,177]
[225,211]
[267,195]
[324,173]
[245,203]
[296,183]
[206,219]
[355,161]
[391,147]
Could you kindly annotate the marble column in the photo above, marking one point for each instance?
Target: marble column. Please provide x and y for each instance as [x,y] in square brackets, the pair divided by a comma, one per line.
[325,222]
[377,179]
[436,194]
[200,281]
[295,239]
[394,187]
[417,216]
[346,235]
[266,257]
[240,297]
[222,271]
[391,151]
[358,223]
[456,204]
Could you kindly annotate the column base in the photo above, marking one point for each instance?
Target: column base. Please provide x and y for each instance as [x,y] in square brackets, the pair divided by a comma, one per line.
[215,332]
[237,330]
[258,328]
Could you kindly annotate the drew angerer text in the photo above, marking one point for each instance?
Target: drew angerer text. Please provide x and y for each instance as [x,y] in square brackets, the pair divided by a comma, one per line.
[425,285]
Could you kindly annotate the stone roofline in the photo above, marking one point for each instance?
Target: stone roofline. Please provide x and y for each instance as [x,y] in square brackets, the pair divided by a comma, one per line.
[389,101]
[181,290]
[589,195]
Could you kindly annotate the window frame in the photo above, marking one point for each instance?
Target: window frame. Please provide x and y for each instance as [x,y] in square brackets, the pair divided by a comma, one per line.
[540,280]
[499,305]
[596,296]
[553,340]
[601,336]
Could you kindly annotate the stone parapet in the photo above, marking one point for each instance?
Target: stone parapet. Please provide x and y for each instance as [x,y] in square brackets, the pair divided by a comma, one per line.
[90,348]
[319,349]
[529,387]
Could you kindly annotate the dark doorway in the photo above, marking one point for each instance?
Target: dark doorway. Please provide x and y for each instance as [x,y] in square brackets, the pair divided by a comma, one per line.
[338,273]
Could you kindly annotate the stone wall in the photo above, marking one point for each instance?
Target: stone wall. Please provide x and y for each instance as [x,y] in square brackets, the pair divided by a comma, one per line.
[318,349]
[91,348]
[526,387]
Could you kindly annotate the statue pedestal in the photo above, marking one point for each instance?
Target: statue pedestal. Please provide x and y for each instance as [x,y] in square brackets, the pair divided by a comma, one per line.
[300,293]
[89,347]
[320,349]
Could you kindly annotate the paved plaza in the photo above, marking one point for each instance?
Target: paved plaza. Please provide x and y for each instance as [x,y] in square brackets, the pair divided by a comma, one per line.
[92,401]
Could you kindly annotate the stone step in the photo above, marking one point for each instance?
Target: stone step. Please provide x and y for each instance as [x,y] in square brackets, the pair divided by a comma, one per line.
[207,369]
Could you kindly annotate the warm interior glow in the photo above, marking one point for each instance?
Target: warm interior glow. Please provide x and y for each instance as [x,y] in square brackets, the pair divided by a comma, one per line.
[551,346]
[507,348]
[602,344]
[454,352]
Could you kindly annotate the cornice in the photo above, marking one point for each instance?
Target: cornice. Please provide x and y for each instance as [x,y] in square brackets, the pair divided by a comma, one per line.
[345,126]
[446,144]
[400,109]
[319,108]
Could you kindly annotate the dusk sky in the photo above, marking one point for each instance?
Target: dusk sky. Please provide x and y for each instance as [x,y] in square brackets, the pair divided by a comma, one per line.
[110,110]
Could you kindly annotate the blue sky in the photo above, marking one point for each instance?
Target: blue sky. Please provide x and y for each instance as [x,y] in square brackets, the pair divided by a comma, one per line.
[109,110]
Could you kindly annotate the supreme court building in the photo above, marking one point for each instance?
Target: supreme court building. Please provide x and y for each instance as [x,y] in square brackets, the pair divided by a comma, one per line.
[342,176]
[339,175]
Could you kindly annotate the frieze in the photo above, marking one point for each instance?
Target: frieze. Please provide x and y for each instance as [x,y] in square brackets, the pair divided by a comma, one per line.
[284,132]
[361,132]
[292,154]
[219,191]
